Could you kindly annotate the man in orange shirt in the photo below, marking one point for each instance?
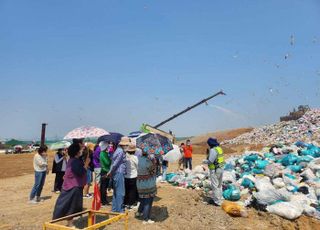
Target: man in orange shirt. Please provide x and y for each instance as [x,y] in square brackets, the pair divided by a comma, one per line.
[188,155]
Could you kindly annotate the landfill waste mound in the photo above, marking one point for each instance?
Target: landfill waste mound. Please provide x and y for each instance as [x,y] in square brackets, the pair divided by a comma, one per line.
[305,128]
[285,182]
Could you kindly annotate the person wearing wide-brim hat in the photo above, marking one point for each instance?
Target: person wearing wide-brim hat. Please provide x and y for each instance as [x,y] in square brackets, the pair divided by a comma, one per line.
[131,195]
[117,172]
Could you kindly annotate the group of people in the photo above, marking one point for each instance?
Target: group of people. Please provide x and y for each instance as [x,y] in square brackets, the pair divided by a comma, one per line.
[186,153]
[130,172]
[127,170]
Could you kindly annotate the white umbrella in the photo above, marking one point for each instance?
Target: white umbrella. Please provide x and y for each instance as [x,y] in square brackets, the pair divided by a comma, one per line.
[86,132]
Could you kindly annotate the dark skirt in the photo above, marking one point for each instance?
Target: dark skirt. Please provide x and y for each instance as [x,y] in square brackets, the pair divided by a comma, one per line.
[68,202]
[131,196]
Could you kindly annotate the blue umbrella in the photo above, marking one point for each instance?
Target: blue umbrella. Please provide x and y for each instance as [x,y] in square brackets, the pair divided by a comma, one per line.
[134,134]
[113,137]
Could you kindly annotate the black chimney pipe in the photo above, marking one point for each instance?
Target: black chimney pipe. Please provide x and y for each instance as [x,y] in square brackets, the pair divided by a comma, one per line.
[43,134]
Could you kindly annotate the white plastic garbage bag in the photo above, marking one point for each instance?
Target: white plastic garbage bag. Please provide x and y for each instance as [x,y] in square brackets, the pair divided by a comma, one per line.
[300,199]
[207,184]
[309,211]
[270,196]
[288,210]
[263,183]
[314,164]
[200,176]
[198,169]
[312,195]
[289,181]
[173,155]
[244,192]
[229,177]
[308,174]
[278,182]
[273,170]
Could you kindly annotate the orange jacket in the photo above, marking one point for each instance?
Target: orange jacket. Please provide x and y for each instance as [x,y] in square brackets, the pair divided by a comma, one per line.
[187,151]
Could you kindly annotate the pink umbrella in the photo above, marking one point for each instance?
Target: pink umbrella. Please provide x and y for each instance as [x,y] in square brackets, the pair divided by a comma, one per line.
[86,132]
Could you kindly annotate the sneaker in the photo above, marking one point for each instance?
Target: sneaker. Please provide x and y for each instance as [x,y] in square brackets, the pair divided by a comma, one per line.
[148,222]
[88,196]
[105,205]
[138,214]
[134,207]
[131,208]
[33,201]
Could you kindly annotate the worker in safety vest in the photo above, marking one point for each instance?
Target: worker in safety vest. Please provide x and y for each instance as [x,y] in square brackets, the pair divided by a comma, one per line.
[215,163]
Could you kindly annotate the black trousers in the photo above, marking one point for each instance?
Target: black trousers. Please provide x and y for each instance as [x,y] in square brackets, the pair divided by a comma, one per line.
[131,195]
[58,181]
[188,163]
[104,184]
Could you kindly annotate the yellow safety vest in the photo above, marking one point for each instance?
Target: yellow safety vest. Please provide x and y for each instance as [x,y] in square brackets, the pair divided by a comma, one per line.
[219,162]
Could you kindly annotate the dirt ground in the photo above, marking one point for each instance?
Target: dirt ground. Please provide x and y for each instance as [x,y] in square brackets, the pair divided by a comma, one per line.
[174,208]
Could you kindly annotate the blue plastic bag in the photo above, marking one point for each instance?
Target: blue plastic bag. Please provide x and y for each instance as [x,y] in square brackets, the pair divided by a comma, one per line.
[228,167]
[232,193]
[290,176]
[257,171]
[314,151]
[245,167]
[301,144]
[170,176]
[247,183]
[290,159]
[261,164]
[252,157]
[269,155]
[295,168]
[304,159]
[293,189]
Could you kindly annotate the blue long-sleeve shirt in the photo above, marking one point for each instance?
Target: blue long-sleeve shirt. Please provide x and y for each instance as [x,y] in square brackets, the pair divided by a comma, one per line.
[118,164]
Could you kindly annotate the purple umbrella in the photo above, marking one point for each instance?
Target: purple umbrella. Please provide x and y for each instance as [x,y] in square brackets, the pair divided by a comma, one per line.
[113,137]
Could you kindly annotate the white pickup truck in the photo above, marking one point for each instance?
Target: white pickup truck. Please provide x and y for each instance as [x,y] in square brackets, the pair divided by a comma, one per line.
[28,149]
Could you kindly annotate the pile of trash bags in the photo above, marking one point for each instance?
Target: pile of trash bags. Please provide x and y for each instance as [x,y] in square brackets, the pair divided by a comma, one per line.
[284,181]
[305,128]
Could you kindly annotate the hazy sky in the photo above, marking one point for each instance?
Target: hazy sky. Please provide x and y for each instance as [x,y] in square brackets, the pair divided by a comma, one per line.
[118,64]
